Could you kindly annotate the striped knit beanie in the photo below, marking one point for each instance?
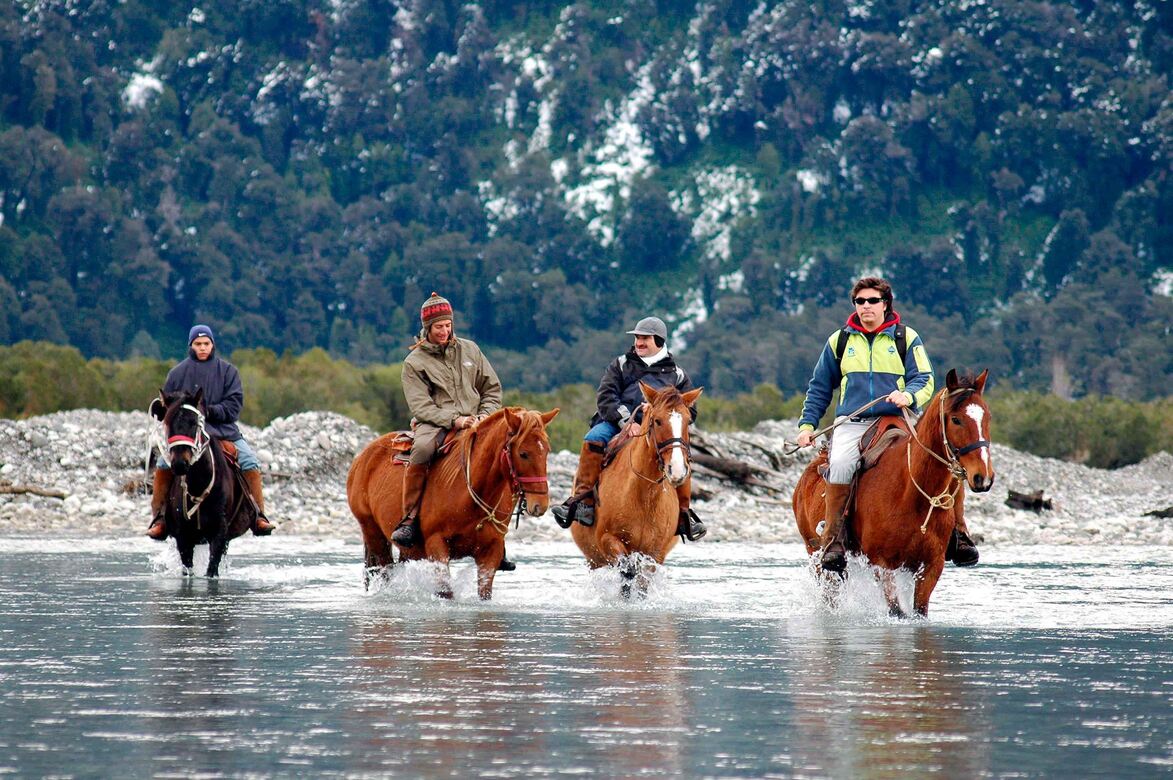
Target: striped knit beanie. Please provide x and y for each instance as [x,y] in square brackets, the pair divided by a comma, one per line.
[434,310]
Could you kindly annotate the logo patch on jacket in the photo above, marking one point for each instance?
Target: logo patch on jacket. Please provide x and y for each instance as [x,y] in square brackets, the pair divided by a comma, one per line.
[468,364]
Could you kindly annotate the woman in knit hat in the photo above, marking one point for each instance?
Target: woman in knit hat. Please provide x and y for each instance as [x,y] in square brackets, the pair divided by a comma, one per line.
[448,384]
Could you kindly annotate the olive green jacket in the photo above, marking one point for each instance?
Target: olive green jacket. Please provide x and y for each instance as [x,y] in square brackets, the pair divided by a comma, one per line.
[455,380]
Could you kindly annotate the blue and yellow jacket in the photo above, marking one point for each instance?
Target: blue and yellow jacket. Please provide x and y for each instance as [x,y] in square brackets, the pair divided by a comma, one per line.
[870,369]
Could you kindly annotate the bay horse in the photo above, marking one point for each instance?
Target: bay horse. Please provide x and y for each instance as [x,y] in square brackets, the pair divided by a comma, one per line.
[637,511]
[206,503]
[901,515]
[468,498]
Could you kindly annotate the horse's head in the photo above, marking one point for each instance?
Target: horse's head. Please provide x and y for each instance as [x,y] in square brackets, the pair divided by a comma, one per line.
[182,415]
[526,448]
[666,420]
[965,420]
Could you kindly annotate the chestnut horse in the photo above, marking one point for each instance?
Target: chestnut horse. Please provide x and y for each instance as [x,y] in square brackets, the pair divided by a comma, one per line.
[637,510]
[468,499]
[901,516]
[206,503]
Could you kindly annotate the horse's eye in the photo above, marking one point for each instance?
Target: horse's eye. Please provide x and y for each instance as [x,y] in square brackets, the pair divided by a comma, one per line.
[523,455]
[658,422]
[956,421]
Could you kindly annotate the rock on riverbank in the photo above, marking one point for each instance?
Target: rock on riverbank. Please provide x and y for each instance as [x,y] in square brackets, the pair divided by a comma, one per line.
[97,459]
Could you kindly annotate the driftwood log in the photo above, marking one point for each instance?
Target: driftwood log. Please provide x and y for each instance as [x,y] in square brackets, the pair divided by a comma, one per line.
[1166,512]
[31,490]
[1032,501]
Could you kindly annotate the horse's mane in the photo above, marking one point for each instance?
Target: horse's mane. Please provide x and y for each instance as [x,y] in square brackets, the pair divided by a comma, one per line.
[529,421]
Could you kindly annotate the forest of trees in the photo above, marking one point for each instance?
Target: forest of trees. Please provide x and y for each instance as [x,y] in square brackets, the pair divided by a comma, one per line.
[302,173]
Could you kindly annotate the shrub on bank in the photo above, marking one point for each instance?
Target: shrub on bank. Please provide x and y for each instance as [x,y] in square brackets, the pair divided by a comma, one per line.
[41,378]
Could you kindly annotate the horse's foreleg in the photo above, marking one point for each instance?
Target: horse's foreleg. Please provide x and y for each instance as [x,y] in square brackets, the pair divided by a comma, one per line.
[377,554]
[186,546]
[888,583]
[436,551]
[488,559]
[925,584]
[219,542]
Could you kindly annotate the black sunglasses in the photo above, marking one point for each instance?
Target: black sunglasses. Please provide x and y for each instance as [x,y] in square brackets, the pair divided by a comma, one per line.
[862,301]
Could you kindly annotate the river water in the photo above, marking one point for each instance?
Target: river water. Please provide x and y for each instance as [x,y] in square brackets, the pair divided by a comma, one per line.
[1040,662]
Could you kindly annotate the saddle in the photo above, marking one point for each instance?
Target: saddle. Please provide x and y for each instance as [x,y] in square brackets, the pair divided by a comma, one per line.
[401,441]
[881,436]
[615,446]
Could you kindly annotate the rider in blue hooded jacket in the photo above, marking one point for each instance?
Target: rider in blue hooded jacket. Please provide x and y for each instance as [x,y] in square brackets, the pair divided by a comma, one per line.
[866,360]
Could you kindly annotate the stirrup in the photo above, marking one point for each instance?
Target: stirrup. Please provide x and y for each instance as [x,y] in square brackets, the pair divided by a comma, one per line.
[834,560]
[689,527]
[263,530]
[406,533]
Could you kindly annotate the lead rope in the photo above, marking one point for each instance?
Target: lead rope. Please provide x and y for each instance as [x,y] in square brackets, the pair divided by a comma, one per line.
[947,498]
[490,517]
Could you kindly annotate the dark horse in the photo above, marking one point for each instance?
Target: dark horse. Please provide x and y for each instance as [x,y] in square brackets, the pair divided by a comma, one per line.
[468,499]
[901,516]
[206,504]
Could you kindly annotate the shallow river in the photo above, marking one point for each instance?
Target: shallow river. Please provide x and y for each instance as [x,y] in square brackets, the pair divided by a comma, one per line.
[1040,662]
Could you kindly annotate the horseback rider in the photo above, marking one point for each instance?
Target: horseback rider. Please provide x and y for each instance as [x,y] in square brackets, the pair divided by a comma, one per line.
[620,407]
[881,359]
[223,399]
[449,385]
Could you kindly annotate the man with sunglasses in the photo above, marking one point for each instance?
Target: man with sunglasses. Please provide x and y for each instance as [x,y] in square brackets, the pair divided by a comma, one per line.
[868,364]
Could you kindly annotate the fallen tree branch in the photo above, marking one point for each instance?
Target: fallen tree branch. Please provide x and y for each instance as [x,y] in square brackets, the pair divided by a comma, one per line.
[31,489]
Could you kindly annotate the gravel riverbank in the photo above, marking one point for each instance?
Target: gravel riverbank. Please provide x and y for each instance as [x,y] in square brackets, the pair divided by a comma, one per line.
[97,460]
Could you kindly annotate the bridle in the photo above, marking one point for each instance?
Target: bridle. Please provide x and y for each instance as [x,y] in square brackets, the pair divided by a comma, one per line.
[517,485]
[957,474]
[199,446]
[659,449]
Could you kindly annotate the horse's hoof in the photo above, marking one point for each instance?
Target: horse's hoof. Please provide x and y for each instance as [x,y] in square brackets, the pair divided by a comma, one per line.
[187,572]
[444,594]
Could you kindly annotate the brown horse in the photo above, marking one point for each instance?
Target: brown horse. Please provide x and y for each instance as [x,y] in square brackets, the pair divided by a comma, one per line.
[470,494]
[902,517]
[637,510]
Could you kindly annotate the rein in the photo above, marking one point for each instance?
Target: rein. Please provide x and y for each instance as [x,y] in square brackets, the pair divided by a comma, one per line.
[946,498]
[516,483]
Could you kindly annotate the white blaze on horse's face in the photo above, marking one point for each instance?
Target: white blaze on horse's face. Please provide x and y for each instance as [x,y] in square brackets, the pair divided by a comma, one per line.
[677,466]
[977,413]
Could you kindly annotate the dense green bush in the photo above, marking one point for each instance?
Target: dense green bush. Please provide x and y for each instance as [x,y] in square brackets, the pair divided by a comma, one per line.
[40,378]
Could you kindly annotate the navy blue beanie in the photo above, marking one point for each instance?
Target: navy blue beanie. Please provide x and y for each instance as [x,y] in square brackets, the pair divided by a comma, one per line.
[197,331]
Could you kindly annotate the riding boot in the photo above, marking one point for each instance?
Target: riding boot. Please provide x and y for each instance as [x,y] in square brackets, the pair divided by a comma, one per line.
[261,526]
[506,564]
[834,553]
[688,526]
[581,504]
[159,491]
[961,550]
[407,533]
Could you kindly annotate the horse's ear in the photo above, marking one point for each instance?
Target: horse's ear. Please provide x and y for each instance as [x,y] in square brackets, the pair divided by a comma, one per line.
[158,407]
[198,398]
[691,396]
[650,393]
[980,384]
[951,379]
[511,419]
[550,415]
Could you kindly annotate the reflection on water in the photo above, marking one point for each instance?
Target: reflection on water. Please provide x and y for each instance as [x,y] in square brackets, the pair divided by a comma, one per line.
[285,666]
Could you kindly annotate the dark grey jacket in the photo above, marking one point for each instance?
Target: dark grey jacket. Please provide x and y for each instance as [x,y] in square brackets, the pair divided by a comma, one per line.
[223,393]
[619,396]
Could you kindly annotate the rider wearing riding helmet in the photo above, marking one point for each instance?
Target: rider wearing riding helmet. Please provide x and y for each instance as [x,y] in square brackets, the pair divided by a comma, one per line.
[223,399]
[869,368]
[620,406]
